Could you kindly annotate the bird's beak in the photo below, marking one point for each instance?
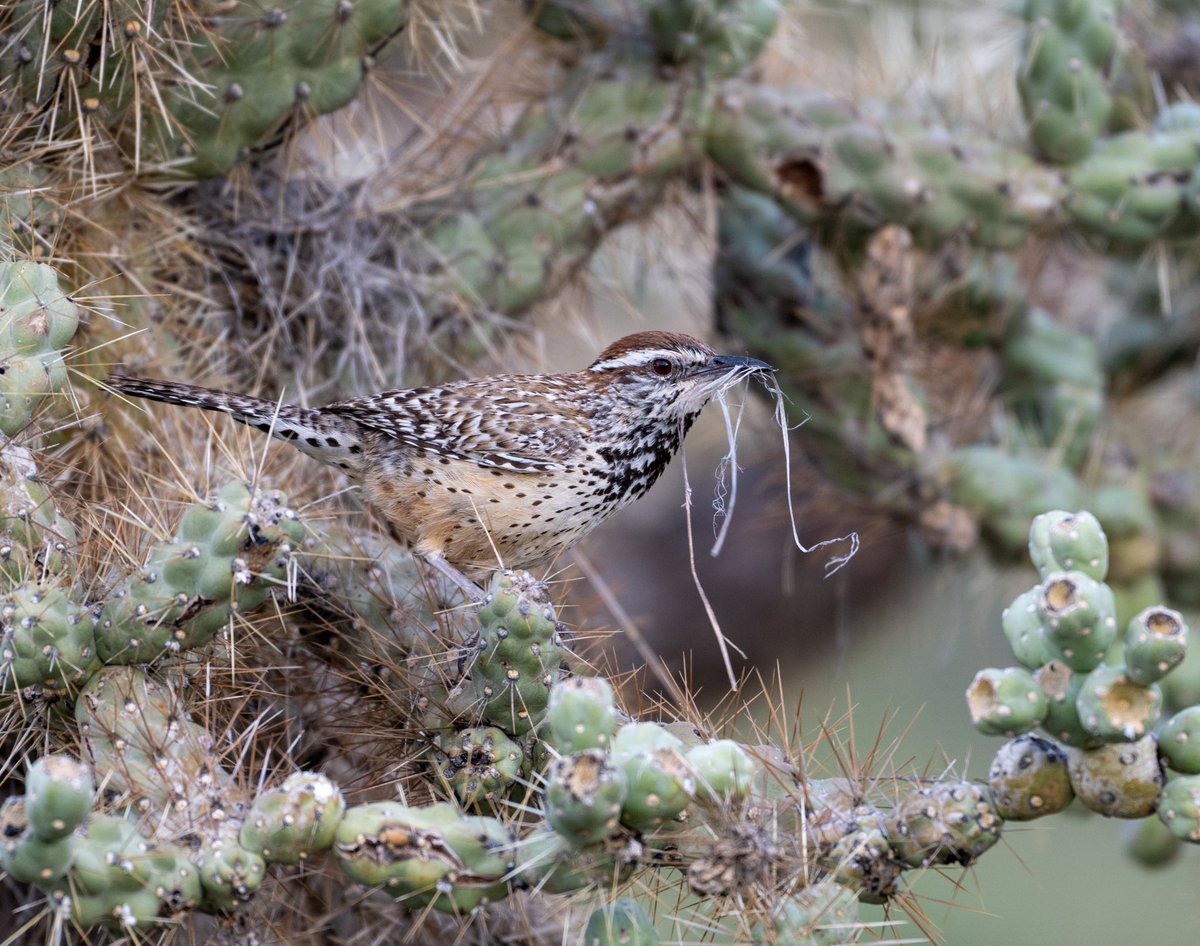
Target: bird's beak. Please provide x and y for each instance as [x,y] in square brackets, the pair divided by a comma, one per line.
[729,362]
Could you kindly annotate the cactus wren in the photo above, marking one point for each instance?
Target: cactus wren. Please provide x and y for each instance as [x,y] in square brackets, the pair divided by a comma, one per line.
[519,467]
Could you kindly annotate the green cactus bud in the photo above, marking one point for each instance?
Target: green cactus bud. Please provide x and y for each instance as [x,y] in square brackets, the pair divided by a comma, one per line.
[1121,780]
[1078,618]
[1179,741]
[1065,541]
[432,855]
[58,796]
[725,772]
[295,820]
[1029,779]
[1151,843]
[821,914]
[620,923]
[1155,644]
[1006,702]
[1061,685]
[479,764]
[229,873]
[1114,708]
[661,785]
[1179,807]
[584,794]
[947,823]
[1023,627]
[581,715]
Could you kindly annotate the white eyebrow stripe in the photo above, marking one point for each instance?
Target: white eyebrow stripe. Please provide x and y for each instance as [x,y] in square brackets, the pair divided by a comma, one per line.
[643,356]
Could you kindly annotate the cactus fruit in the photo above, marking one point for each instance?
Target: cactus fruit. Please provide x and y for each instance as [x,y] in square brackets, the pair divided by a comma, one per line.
[725,772]
[1065,541]
[423,856]
[1006,702]
[1155,644]
[1023,627]
[1179,807]
[58,795]
[581,715]
[1078,618]
[37,320]
[1120,780]
[295,820]
[1152,843]
[947,823]
[661,785]
[620,923]
[1062,685]
[584,795]
[229,555]
[1115,709]
[1179,741]
[1029,779]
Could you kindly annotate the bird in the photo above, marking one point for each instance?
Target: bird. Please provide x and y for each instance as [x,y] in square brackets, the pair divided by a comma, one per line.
[505,469]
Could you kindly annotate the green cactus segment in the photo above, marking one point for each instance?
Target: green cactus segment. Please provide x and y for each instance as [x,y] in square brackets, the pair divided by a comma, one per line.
[1066,61]
[661,785]
[58,796]
[1068,541]
[1155,644]
[1006,702]
[1023,627]
[37,320]
[423,856]
[520,654]
[582,714]
[35,540]
[29,217]
[1151,843]
[725,36]
[294,821]
[1179,807]
[620,923]
[230,874]
[478,764]
[584,795]
[821,914]
[549,862]
[24,855]
[1115,709]
[229,556]
[1120,780]
[1179,741]
[1029,779]
[143,741]
[46,641]
[853,845]
[1079,619]
[1062,685]
[947,823]
[725,772]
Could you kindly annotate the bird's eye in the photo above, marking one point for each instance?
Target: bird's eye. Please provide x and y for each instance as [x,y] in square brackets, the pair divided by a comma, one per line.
[661,366]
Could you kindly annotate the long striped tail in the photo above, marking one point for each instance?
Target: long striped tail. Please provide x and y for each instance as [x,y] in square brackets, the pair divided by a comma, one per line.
[332,439]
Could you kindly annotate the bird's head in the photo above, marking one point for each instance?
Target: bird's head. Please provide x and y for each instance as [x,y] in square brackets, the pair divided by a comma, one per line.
[669,375]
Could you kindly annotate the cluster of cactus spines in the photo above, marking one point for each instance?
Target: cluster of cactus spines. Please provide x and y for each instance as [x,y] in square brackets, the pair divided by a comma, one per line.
[1098,696]
[37,321]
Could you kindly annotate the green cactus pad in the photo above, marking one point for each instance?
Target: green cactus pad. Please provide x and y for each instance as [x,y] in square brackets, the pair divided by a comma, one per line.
[584,794]
[1179,807]
[1068,541]
[1023,627]
[947,823]
[1006,702]
[620,923]
[582,714]
[1078,618]
[1179,741]
[294,821]
[58,795]
[433,855]
[1115,709]
[1121,780]
[1155,644]
[725,772]
[1029,779]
